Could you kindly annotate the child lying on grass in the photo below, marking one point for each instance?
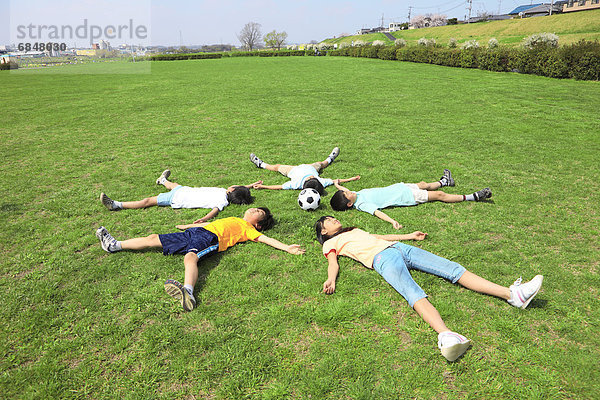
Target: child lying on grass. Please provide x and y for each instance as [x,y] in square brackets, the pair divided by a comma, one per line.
[301,176]
[393,261]
[187,197]
[197,242]
[400,194]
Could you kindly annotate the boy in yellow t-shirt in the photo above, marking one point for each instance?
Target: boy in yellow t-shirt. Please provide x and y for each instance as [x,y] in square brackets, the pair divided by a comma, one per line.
[197,241]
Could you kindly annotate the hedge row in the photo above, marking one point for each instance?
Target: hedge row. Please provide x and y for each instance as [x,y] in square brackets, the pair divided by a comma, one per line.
[192,56]
[200,56]
[579,61]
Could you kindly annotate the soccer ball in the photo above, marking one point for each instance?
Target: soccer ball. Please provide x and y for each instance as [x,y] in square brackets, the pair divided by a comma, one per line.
[309,199]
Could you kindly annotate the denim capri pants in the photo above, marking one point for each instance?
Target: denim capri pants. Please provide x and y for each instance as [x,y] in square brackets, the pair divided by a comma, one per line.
[395,262]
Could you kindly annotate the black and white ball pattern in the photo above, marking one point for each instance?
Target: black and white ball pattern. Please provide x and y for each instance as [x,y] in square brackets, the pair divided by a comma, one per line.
[309,199]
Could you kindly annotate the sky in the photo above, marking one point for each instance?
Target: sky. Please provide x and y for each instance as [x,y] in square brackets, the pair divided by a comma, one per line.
[188,22]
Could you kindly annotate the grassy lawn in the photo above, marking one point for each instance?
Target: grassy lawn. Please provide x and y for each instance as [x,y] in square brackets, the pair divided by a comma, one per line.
[76,322]
[570,27]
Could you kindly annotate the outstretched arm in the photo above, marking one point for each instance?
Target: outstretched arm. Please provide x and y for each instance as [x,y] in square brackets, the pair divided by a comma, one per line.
[261,186]
[211,214]
[381,215]
[186,226]
[250,186]
[354,178]
[332,273]
[416,235]
[336,182]
[292,248]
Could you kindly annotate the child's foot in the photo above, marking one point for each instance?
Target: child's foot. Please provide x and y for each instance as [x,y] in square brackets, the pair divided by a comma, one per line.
[108,202]
[163,177]
[108,243]
[522,294]
[257,161]
[483,194]
[334,153]
[177,291]
[452,345]
[446,179]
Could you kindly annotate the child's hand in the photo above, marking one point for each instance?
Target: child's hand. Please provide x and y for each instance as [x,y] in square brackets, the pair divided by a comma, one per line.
[418,235]
[200,220]
[295,249]
[336,182]
[396,225]
[182,227]
[329,286]
[355,178]
[257,185]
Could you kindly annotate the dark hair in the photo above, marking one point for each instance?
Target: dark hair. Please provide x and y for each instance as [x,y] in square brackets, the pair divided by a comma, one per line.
[267,222]
[339,202]
[314,183]
[240,195]
[319,227]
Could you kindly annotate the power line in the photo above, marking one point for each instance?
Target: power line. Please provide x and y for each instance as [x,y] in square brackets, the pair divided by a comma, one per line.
[438,6]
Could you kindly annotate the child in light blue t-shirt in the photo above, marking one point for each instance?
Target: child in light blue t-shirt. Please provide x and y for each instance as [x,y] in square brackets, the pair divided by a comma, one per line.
[301,176]
[398,195]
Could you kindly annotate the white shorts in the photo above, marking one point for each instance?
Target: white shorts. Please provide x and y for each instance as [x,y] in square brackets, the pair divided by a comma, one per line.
[421,195]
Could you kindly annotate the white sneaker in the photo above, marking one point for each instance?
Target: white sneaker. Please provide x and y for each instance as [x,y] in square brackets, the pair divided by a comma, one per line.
[107,242]
[522,294]
[452,345]
[334,153]
[164,176]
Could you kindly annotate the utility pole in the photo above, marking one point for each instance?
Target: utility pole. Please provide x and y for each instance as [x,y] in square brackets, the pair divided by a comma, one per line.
[499,6]
[409,10]
[469,8]
[551,6]
[382,20]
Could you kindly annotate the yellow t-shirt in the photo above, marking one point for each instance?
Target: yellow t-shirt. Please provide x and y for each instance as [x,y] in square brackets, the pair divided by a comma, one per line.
[232,230]
[358,245]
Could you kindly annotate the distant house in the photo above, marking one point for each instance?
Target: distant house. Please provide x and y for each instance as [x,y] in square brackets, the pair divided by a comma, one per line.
[581,5]
[536,10]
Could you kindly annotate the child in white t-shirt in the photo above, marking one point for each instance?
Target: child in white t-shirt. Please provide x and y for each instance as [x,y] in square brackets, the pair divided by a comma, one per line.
[301,176]
[187,197]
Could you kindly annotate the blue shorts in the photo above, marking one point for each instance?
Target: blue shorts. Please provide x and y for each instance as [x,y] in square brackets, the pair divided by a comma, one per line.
[194,240]
[395,262]
[165,199]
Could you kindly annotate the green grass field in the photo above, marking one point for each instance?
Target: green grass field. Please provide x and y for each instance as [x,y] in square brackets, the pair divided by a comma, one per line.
[76,322]
[570,27]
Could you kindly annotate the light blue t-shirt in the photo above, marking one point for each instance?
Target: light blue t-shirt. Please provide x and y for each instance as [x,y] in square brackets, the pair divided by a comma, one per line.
[300,173]
[371,200]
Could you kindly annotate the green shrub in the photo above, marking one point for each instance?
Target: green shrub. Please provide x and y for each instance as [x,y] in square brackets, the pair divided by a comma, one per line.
[386,53]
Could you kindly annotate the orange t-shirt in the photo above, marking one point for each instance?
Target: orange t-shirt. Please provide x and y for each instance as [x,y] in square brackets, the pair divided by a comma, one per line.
[232,230]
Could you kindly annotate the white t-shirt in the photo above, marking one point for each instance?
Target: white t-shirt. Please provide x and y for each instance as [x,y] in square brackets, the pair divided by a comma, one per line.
[300,173]
[200,197]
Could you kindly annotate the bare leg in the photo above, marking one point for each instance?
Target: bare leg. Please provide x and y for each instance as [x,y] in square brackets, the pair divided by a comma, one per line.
[191,269]
[430,315]
[429,186]
[445,197]
[481,285]
[151,241]
[170,185]
[147,202]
